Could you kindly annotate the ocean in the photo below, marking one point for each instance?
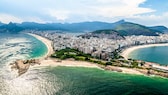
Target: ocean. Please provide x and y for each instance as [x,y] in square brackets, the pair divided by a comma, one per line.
[156,54]
[66,80]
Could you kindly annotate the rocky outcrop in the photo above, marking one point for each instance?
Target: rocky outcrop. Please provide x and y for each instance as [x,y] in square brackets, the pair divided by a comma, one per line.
[23,65]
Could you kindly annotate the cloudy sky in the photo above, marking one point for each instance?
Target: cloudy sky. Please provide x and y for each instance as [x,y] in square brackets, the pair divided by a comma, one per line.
[146,12]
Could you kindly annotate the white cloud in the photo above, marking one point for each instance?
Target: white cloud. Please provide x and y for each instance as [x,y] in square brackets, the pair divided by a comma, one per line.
[123,8]
[76,11]
[133,3]
[34,19]
[150,20]
[81,10]
[6,18]
[60,15]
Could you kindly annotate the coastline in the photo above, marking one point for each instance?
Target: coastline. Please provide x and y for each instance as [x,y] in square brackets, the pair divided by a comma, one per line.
[72,63]
[46,61]
[125,53]
[47,42]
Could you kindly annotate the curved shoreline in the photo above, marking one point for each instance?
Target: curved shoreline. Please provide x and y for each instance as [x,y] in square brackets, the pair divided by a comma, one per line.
[46,61]
[72,63]
[23,65]
[47,42]
[125,53]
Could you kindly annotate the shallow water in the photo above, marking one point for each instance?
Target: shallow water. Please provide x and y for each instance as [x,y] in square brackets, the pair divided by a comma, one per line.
[152,54]
[13,47]
[20,46]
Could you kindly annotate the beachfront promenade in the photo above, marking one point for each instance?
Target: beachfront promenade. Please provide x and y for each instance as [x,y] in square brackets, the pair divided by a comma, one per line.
[130,66]
[102,48]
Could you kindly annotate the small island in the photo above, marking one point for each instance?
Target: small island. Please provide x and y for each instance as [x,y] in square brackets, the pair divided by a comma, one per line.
[23,65]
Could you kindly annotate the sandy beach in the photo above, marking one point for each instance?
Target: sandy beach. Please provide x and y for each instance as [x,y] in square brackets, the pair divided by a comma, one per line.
[71,63]
[54,62]
[47,42]
[126,52]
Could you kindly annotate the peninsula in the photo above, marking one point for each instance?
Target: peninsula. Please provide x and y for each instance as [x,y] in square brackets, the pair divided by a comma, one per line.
[78,54]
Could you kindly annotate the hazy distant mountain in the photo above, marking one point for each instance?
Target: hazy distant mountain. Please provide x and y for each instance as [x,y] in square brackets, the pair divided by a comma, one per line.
[122,27]
[73,27]
[11,27]
[92,26]
[159,28]
[88,26]
[37,26]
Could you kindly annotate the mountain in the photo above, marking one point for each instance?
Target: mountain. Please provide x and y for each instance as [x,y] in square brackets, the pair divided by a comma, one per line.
[128,28]
[89,26]
[37,26]
[11,27]
[73,27]
[122,27]
[108,33]
[162,29]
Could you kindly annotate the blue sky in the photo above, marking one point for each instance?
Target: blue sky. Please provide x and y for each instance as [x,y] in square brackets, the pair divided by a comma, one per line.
[146,12]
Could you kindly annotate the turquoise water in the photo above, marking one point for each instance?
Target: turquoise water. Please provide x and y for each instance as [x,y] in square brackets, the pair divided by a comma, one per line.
[66,80]
[86,81]
[152,54]
[20,46]
[38,48]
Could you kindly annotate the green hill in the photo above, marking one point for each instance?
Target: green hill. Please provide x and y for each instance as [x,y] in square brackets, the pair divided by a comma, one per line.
[107,33]
[128,28]
[162,29]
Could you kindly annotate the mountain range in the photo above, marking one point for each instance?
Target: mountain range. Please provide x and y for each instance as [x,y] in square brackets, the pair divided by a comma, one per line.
[123,27]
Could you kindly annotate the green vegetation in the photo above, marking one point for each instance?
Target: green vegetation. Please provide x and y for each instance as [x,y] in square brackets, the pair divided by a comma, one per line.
[78,55]
[71,53]
[128,28]
[134,64]
[108,63]
[118,62]
[116,55]
[106,31]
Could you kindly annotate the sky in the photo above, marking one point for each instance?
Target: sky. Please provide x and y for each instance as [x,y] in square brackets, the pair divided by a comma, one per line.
[145,12]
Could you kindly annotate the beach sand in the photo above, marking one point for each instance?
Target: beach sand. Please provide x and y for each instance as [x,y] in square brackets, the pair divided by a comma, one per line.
[127,51]
[47,42]
[46,61]
[71,63]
